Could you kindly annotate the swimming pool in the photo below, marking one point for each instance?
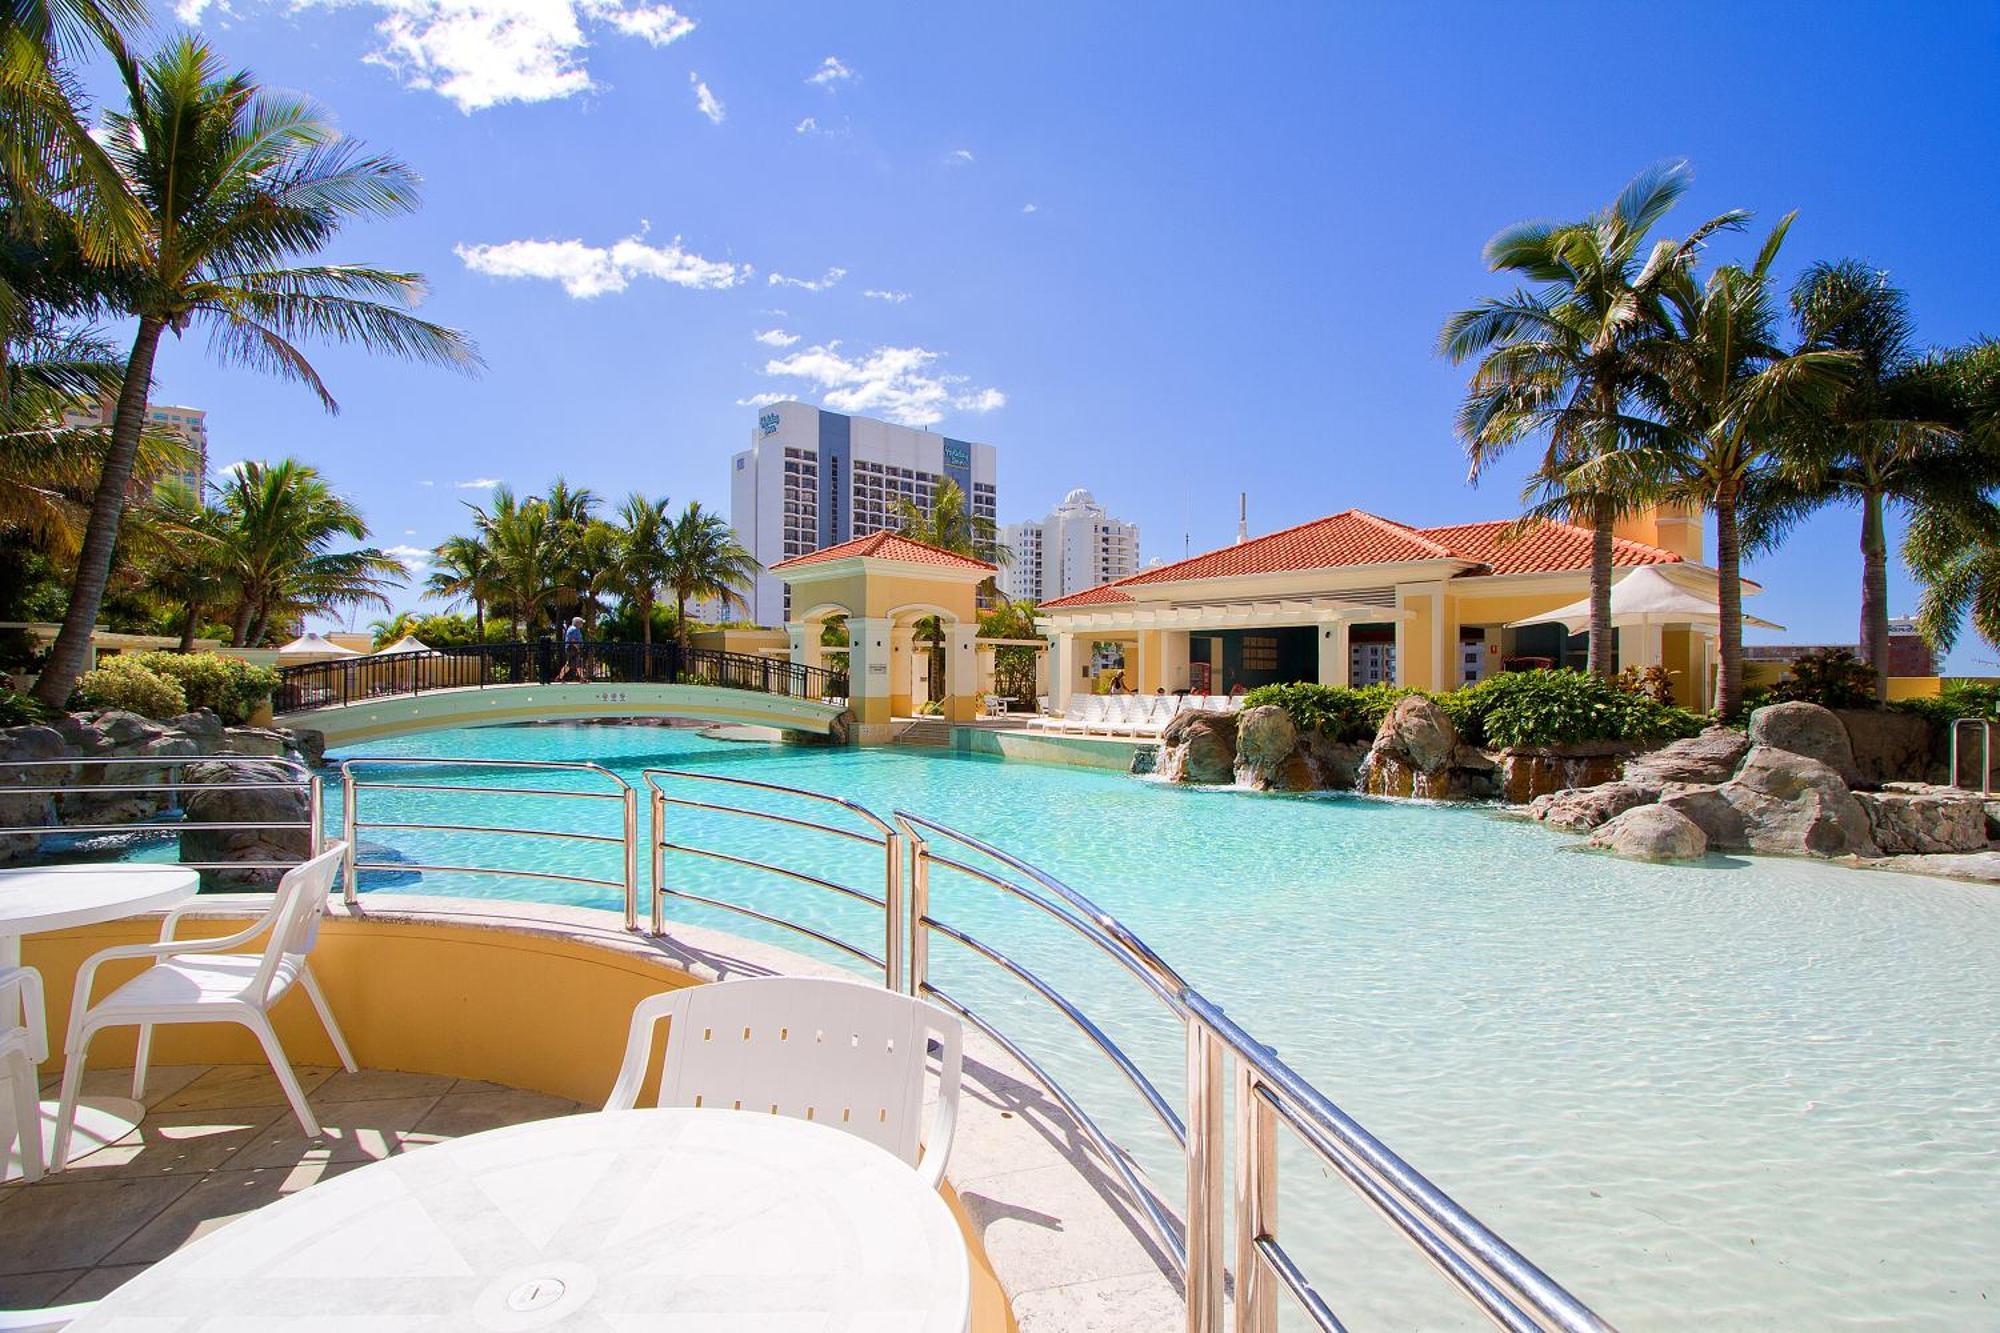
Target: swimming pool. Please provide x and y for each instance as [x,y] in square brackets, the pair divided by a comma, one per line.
[1743,1094]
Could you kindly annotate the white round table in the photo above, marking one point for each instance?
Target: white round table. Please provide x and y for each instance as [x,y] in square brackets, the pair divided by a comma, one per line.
[673,1221]
[55,898]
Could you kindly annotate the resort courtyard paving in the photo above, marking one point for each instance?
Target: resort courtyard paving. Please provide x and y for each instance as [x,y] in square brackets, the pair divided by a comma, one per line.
[217,1142]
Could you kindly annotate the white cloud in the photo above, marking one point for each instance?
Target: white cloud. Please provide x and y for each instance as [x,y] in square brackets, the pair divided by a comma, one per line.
[959,157]
[806,126]
[409,532]
[819,284]
[229,469]
[763,399]
[831,74]
[705,101]
[413,558]
[478,484]
[879,294]
[480,53]
[1031,208]
[894,382]
[592,270]
[777,338]
[426,483]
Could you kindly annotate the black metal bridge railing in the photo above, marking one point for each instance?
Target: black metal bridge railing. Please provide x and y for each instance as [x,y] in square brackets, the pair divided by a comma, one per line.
[358,679]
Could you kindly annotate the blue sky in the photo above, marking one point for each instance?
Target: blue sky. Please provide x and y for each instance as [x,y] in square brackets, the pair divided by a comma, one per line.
[1166,252]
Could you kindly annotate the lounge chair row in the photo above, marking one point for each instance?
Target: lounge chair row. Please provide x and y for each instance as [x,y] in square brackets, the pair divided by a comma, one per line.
[1142,715]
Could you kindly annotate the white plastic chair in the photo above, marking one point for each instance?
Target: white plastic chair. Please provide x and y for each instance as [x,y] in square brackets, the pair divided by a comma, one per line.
[840,1053]
[23,1046]
[202,981]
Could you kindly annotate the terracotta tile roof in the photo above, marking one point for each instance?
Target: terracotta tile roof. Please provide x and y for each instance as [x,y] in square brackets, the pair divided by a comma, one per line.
[1351,537]
[1549,548]
[1355,537]
[1103,594]
[886,545]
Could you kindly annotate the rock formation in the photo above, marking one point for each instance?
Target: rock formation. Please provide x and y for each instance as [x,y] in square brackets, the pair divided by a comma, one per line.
[1418,752]
[1652,833]
[1199,747]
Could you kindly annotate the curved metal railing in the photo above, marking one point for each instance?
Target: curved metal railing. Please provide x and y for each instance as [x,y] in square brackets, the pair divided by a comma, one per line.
[352,824]
[301,779]
[889,902]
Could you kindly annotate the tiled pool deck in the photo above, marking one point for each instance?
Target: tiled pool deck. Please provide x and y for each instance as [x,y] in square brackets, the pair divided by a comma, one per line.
[219,1142]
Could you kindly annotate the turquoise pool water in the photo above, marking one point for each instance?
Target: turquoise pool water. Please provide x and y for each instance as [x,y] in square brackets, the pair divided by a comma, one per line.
[1745,1094]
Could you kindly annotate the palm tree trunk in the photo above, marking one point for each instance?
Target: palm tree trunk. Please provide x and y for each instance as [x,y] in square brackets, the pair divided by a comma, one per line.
[479,619]
[1875,590]
[1729,603]
[107,510]
[187,630]
[1603,641]
[239,624]
[681,618]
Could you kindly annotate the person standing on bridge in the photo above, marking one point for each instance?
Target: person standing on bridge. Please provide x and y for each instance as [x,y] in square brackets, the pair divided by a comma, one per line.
[572,667]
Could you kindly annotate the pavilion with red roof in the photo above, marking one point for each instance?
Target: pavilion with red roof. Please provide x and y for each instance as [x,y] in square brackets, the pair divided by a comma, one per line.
[1358,599]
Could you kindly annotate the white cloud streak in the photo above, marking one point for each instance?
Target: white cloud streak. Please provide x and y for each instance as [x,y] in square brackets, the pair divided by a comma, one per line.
[1031,208]
[807,126]
[880,294]
[481,53]
[763,399]
[593,270]
[478,484]
[959,157]
[898,383]
[414,559]
[819,284]
[777,338]
[831,74]
[705,101]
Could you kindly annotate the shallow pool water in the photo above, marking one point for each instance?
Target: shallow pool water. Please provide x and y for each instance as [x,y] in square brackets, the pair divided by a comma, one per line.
[1744,1094]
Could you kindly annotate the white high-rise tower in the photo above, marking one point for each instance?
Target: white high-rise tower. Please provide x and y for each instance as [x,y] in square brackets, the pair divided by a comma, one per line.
[1076,547]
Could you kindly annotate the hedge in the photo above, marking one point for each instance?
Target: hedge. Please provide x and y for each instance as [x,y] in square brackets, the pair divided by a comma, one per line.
[228,685]
[126,683]
[1516,708]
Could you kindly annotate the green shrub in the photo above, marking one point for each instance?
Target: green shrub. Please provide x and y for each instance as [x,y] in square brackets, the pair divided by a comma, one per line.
[125,682]
[1956,699]
[1829,677]
[230,686]
[1561,708]
[18,710]
[1335,711]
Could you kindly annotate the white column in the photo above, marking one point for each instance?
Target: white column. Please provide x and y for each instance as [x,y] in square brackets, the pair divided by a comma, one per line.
[1333,653]
[805,643]
[961,671]
[1174,659]
[1042,671]
[1062,670]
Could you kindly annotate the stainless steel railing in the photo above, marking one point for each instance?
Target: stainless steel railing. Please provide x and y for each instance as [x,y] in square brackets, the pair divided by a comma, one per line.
[889,902]
[1985,726]
[168,789]
[352,823]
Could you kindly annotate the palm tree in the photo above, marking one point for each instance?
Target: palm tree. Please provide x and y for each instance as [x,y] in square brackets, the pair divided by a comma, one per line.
[1557,360]
[518,535]
[1954,549]
[950,525]
[571,511]
[1730,399]
[282,522]
[185,545]
[704,559]
[462,573]
[1887,437]
[638,567]
[231,184]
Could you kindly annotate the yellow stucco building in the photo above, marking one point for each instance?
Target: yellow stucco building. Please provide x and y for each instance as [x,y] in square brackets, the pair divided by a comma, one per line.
[1357,599]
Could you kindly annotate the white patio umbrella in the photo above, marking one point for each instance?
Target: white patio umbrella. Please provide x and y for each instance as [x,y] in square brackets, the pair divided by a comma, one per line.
[1643,597]
[315,645]
[409,643]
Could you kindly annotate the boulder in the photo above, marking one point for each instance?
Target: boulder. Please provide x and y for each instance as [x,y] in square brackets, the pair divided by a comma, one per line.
[1784,804]
[1891,746]
[1199,747]
[1528,772]
[311,745]
[1417,732]
[1417,752]
[1807,729]
[259,742]
[1913,818]
[1579,810]
[24,744]
[1267,751]
[202,727]
[1710,757]
[212,795]
[1335,765]
[1652,833]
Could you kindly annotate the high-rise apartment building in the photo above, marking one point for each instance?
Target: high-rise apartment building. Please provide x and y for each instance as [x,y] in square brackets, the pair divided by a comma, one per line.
[814,478]
[1077,546]
[189,425]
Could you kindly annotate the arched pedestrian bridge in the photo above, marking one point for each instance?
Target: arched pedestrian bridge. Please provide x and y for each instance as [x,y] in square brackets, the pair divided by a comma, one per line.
[368,698]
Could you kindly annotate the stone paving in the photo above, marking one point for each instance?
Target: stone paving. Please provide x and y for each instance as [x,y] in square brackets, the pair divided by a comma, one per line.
[218,1142]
